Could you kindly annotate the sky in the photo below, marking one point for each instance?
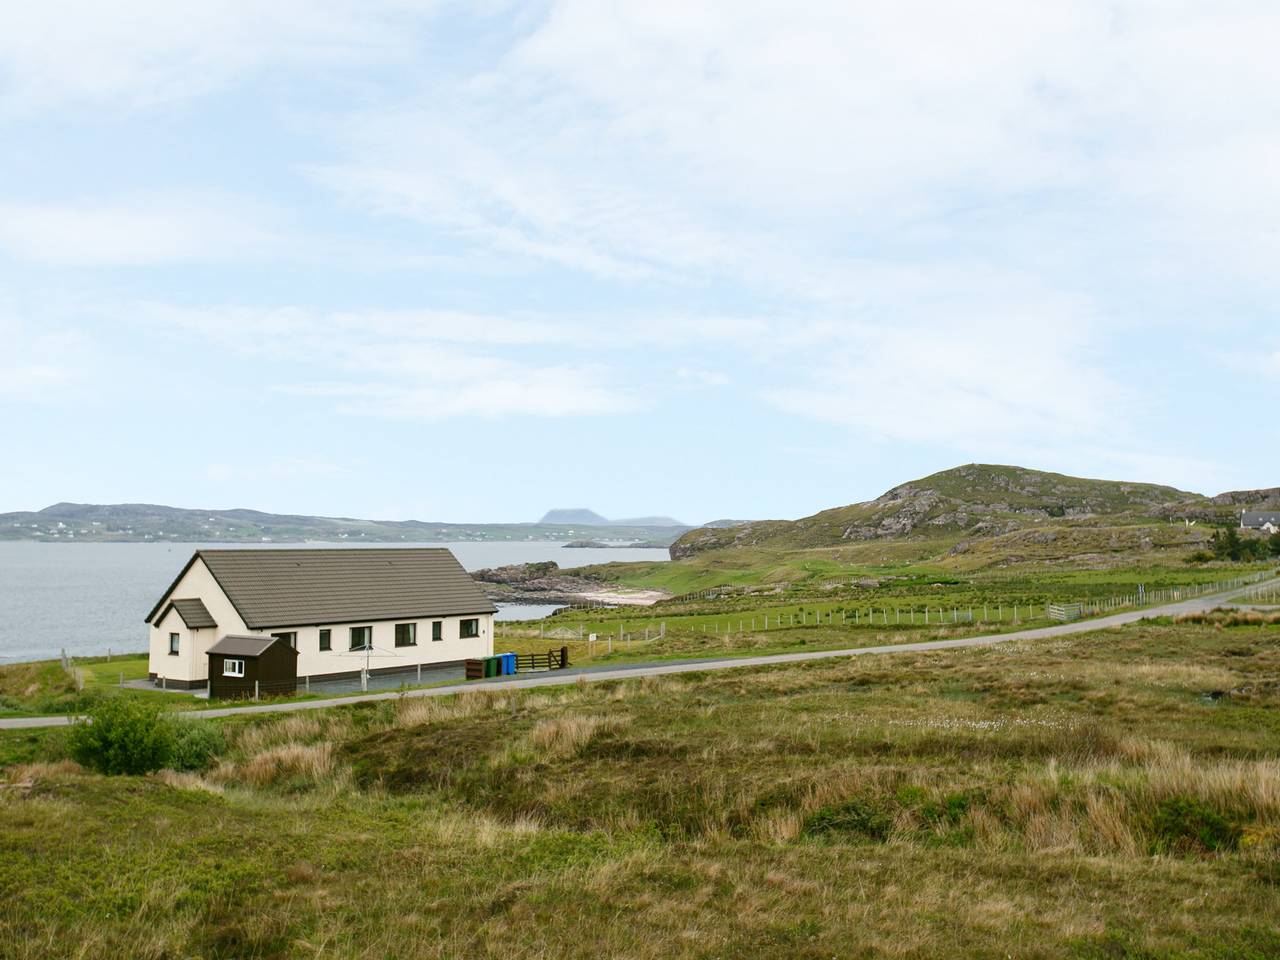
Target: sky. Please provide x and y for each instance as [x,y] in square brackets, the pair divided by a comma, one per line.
[472,261]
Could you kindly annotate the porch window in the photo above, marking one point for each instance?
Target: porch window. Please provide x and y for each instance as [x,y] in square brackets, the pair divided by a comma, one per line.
[468,628]
[233,668]
[361,638]
[406,634]
[173,644]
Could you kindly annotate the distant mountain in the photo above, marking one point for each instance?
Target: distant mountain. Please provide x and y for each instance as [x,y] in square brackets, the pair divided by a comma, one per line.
[583,517]
[145,521]
[577,515]
[976,500]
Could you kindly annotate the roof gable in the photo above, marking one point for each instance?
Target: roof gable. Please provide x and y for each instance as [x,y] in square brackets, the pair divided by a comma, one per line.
[280,588]
[192,611]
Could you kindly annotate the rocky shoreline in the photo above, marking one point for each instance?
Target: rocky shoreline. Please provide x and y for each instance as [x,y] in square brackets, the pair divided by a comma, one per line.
[543,583]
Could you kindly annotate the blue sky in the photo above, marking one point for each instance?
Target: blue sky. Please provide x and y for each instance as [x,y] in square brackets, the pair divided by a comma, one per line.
[472,261]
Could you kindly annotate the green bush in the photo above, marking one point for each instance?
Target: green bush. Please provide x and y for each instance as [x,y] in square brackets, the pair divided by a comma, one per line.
[1183,825]
[122,735]
[195,745]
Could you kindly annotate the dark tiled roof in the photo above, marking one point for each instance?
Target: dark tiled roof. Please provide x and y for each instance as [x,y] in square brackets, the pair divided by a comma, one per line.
[1257,519]
[193,613]
[283,588]
[241,646]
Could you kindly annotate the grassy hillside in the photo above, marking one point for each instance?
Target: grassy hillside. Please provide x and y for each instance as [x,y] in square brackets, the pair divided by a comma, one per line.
[1106,795]
[976,499]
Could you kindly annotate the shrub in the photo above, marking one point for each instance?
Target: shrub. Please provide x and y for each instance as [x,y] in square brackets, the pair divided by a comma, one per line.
[122,735]
[195,744]
[1183,825]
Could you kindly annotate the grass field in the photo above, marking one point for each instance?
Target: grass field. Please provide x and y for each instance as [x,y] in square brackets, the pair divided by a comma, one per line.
[44,687]
[1114,794]
[823,613]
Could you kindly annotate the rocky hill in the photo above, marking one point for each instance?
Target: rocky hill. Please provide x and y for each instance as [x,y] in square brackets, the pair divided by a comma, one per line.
[582,517]
[974,501]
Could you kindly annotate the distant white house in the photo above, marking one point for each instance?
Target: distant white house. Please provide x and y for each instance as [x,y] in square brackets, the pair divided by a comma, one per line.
[1254,520]
[342,609]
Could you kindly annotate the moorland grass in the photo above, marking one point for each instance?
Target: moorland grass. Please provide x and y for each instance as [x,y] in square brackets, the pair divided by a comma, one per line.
[1104,795]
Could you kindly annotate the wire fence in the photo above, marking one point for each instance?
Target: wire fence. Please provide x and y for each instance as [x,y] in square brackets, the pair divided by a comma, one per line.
[876,615]
[1269,595]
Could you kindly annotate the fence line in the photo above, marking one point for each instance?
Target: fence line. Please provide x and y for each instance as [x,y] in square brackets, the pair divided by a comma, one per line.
[911,615]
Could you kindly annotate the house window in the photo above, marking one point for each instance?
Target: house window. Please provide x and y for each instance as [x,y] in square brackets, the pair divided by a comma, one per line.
[325,641]
[361,638]
[290,638]
[233,668]
[406,634]
[468,628]
[437,629]
[173,644]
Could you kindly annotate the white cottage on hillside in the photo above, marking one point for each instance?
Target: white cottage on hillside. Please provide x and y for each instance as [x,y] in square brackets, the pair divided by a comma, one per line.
[1257,520]
[341,609]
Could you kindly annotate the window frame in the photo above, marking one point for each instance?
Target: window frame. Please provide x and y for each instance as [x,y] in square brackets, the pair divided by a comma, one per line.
[437,631]
[413,635]
[368,637]
[462,628]
[226,667]
[175,639]
[326,640]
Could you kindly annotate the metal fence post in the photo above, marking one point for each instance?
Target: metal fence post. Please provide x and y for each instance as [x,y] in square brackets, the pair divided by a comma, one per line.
[255,689]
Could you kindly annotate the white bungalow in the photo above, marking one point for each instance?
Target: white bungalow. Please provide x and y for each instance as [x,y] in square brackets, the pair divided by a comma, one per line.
[342,609]
[1258,520]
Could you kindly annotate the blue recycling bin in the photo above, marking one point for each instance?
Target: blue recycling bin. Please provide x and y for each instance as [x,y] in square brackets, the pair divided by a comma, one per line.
[509,662]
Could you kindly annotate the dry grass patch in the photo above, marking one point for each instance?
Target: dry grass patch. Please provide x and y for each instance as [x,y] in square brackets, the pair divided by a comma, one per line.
[288,764]
[1231,617]
[562,737]
[187,781]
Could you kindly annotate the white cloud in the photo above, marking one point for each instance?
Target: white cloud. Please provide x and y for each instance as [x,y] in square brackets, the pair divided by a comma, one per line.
[425,365]
[965,382]
[143,52]
[779,147]
[137,230]
[482,387]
